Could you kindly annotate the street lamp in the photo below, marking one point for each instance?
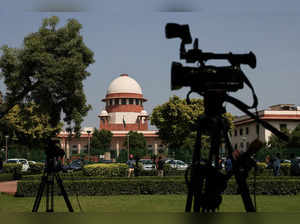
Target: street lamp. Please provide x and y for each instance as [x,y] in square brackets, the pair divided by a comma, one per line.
[128,146]
[89,143]
[6,148]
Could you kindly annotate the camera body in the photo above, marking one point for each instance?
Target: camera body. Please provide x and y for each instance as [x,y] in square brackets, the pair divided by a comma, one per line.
[205,78]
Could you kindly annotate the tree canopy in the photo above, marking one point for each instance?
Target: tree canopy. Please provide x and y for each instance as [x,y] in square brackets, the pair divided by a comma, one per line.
[176,123]
[137,144]
[276,145]
[175,119]
[48,70]
[101,141]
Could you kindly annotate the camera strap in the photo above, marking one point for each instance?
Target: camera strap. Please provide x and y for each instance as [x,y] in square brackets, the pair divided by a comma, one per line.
[244,108]
[255,100]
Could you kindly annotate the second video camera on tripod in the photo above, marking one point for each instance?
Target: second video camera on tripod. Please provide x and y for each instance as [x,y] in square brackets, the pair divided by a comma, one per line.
[205,78]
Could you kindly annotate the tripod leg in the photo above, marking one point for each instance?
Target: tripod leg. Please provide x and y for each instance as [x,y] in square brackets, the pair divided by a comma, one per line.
[243,187]
[40,193]
[51,189]
[64,193]
[240,180]
[194,178]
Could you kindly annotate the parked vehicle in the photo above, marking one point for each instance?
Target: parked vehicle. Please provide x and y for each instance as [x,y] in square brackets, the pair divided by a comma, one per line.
[75,165]
[295,167]
[24,162]
[177,164]
[148,164]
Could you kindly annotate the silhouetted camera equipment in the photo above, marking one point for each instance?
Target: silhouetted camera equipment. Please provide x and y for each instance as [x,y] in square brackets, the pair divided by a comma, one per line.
[54,154]
[206,78]
[205,181]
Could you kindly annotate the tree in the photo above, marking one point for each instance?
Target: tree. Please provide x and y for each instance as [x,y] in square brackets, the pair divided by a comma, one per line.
[295,138]
[101,141]
[175,119]
[29,122]
[26,127]
[137,144]
[176,123]
[276,145]
[48,70]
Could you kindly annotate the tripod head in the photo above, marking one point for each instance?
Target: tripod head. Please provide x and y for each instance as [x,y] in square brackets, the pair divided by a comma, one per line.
[195,54]
[205,78]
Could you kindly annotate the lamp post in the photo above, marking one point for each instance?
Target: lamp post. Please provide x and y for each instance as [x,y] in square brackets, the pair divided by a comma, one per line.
[6,148]
[89,143]
[128,146]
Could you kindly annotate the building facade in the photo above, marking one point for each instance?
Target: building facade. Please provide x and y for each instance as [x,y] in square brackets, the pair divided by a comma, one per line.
[281,116]
[123,112]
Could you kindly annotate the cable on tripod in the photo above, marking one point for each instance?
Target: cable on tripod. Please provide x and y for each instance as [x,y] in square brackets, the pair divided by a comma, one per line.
[254,187]
[77,193]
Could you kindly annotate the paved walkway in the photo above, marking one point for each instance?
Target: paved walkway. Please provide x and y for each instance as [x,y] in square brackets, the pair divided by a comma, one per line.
[9,187]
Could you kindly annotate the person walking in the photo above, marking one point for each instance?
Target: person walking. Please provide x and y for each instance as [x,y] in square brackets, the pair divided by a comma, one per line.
[130,164]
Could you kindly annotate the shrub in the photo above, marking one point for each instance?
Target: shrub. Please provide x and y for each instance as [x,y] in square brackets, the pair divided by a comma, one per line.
[6,177]
[158,185]
[106,170]
[36,168]
[12,167]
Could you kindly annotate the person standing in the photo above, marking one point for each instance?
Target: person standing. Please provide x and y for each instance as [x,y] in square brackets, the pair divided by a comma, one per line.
[130,164]
[1,163]
[160,167]
[276,164]
[228,165]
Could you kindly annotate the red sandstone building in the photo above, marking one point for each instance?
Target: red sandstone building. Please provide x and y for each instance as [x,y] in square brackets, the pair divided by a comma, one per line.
[123,112]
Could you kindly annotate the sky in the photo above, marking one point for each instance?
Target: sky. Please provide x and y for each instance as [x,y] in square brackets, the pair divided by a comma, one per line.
[128,37]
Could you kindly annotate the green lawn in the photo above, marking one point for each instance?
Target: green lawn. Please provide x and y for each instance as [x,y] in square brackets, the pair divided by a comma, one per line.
[149,204]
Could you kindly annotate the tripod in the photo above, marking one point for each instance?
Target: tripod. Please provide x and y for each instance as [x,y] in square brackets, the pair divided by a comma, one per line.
[49,176]
[207,182]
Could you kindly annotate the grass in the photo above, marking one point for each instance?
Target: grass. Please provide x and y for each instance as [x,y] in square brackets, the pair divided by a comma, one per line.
[148,204]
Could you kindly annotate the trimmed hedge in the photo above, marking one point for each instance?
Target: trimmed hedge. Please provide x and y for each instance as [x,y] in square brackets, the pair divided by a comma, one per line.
[6,177]
[36,168]
[11,167]
[156,185]
[106,170]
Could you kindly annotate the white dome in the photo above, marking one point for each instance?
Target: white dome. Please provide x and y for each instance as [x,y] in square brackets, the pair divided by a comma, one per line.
[124,84]
[103,113]
[144,113]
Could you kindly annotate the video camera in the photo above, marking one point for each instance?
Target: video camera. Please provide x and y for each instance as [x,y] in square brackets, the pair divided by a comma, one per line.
[205,78]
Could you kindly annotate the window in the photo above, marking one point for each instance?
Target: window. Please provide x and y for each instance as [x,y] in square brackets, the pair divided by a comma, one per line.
[247,130]
[116,101]
[123,101]
[149,146]
[137,101]
[235,132]
[283,127]
[241,131]
[130,101]
[110,102]
[242,145]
